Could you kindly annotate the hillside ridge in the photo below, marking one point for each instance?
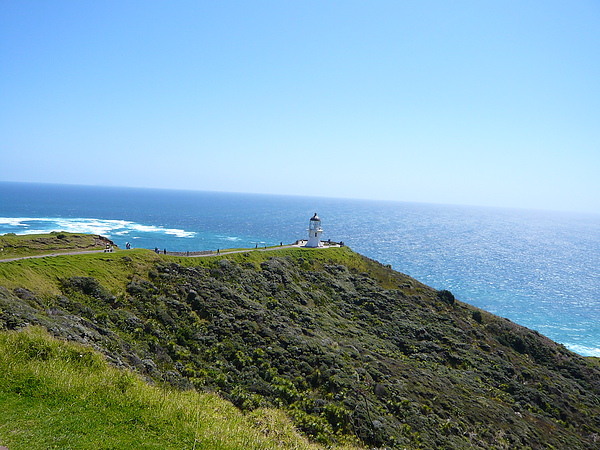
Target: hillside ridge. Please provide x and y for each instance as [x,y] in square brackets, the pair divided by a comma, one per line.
[352,350]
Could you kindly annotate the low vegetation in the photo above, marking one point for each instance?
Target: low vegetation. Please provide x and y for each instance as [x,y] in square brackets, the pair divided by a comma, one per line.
[44,275]
[352,351]
[14,246]
[55,394]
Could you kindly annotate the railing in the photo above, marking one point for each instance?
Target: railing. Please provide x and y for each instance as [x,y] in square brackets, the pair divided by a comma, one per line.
[200,253]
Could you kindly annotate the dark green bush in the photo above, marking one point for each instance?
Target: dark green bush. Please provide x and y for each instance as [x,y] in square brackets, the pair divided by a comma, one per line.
[446,297]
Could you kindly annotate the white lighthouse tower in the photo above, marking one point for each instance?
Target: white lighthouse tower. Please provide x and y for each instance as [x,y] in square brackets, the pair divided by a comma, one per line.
[314,232]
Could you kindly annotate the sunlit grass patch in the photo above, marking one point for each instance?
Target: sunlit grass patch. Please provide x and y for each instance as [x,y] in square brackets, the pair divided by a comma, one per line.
[12,245]
[56,394]
[43,275]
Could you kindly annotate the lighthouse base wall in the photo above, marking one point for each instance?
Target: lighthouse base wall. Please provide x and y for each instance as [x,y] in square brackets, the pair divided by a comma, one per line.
[314,240]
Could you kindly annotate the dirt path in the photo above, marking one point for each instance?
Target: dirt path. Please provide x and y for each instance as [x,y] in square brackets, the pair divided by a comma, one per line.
[51,254]
[217,253]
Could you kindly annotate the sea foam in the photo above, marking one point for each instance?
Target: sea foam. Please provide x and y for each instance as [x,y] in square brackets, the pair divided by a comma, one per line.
[104,227]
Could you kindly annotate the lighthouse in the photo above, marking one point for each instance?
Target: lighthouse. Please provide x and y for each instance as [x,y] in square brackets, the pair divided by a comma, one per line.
[314,232]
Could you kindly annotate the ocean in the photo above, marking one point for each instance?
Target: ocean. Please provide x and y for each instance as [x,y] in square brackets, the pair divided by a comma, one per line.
[539,269]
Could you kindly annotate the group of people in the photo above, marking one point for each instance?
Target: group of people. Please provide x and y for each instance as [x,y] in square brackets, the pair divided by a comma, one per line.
[157,251]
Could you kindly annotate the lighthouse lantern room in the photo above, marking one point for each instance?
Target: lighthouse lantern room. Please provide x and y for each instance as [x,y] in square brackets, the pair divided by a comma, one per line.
[314,232]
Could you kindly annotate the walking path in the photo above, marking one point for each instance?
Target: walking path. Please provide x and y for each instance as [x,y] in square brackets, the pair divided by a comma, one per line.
[81,252]
[202,254]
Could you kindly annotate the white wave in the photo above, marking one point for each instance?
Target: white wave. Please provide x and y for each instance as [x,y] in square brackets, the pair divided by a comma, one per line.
[93,226]
[35,231]
[583,350]
[13,222]
[228,238]
[104,227]
[145,228]
[73,225]
[179,233]
[155,229]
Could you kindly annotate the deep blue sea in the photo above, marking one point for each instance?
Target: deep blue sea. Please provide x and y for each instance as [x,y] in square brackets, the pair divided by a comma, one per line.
[539,269]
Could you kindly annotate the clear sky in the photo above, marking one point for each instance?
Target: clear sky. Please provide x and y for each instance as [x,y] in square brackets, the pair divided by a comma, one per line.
[461,102]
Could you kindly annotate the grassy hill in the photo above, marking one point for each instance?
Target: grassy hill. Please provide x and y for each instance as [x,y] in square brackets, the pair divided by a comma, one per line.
[350,350]
[55,394]
[14,246]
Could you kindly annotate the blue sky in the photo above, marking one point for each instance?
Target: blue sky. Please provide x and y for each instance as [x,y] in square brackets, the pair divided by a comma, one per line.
[470,102]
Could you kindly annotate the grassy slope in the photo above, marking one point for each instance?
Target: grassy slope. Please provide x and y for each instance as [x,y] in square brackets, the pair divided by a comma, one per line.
[12,246]
[343,344]
[42,275]
[112,270]
[59,395]
[55,394]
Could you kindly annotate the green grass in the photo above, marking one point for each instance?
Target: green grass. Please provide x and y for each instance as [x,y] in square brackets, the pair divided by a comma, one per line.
[340,254]
[14,246]
[112,270]
[42,275]
[312,331]
[55,394]
[315,258]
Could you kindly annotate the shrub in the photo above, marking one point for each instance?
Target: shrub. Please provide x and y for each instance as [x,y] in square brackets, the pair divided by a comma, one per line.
[446,297]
